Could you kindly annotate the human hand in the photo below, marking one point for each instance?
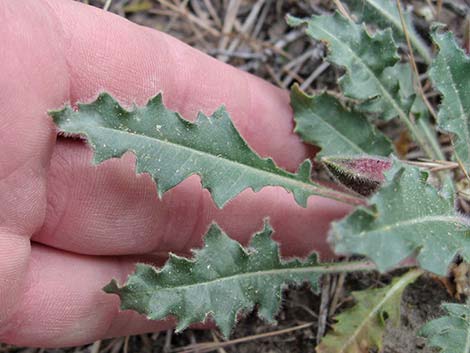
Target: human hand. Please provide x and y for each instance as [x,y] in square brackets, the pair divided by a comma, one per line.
[67,227]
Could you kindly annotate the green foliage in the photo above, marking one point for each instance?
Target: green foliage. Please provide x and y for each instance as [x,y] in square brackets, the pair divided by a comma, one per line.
[171,149]
[361,328]
[384,13]
[451,333]
[450,73]
[324,122]
[223,279]
[374,76]
[370,61]
[407,216]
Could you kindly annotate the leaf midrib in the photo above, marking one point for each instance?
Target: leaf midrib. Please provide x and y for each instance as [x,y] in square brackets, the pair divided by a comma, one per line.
[395,288]
[385,93]
[346,139]
[414,221]
[461,108]
[416,41]
[318,268]
[312,187]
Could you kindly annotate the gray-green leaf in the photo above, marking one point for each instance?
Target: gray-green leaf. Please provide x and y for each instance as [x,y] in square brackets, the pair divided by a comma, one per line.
[450,73]
[361,328]
[322,121]
[373,77]
[223,279]
[384,13]
[407,217]
[451,333]
[369,60]
[171,149]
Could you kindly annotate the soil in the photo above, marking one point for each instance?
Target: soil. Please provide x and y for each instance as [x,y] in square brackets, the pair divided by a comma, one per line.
[271,50]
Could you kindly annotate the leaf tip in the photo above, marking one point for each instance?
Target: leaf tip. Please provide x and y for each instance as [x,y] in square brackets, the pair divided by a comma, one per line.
[295,21]
[112,287]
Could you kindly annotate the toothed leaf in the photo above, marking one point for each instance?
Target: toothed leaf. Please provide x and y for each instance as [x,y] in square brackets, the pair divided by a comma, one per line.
[171,149]
[407,217]
[451,333]
[222,279]
[450,73]
[370,61]
[361,328]
[322,121]
[384,13]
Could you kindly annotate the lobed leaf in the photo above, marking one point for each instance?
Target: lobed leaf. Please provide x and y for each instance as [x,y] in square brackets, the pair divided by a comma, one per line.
[407,217]
[451,333]
[171,149]
[384,13]
[450,73]
[322,121]
[370,61]
[222,280]
[361,328]
[374,77]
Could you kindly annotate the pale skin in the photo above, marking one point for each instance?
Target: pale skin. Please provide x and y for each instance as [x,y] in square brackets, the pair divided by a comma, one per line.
[67,227]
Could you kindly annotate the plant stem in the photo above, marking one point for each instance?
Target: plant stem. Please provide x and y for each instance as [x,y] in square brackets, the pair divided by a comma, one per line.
[429,137]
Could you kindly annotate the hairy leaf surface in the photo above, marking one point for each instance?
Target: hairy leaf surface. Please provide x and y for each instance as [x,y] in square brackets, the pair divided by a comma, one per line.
[451,333]
[361,328]
[450,73]
[384,13]
[222,279]
[407,217]
[371,63]
[322,121]
[171,149]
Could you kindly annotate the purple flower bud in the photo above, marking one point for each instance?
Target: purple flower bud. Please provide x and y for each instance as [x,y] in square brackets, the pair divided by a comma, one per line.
[361,174]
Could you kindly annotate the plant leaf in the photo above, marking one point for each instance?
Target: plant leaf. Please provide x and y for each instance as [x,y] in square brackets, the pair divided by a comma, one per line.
[450,73]
[222,279]
[322,121]
[171,149]
[361,328]
[384,13]
[369,60]
[373,77]
[450,333]
[407,217]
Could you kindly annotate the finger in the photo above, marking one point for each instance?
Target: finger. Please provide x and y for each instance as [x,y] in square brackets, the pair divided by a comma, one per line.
[108,53]
[63,305]
[29,85]
[108,210]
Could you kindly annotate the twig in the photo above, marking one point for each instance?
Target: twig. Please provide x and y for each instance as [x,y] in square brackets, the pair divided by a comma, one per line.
[95,348]
[323,311]
[213,13]
[314,75]
[337,295]
[342,10]
[211,346]
[190,17]
[126,345]
[462,167]
[107,5]
[167,346]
